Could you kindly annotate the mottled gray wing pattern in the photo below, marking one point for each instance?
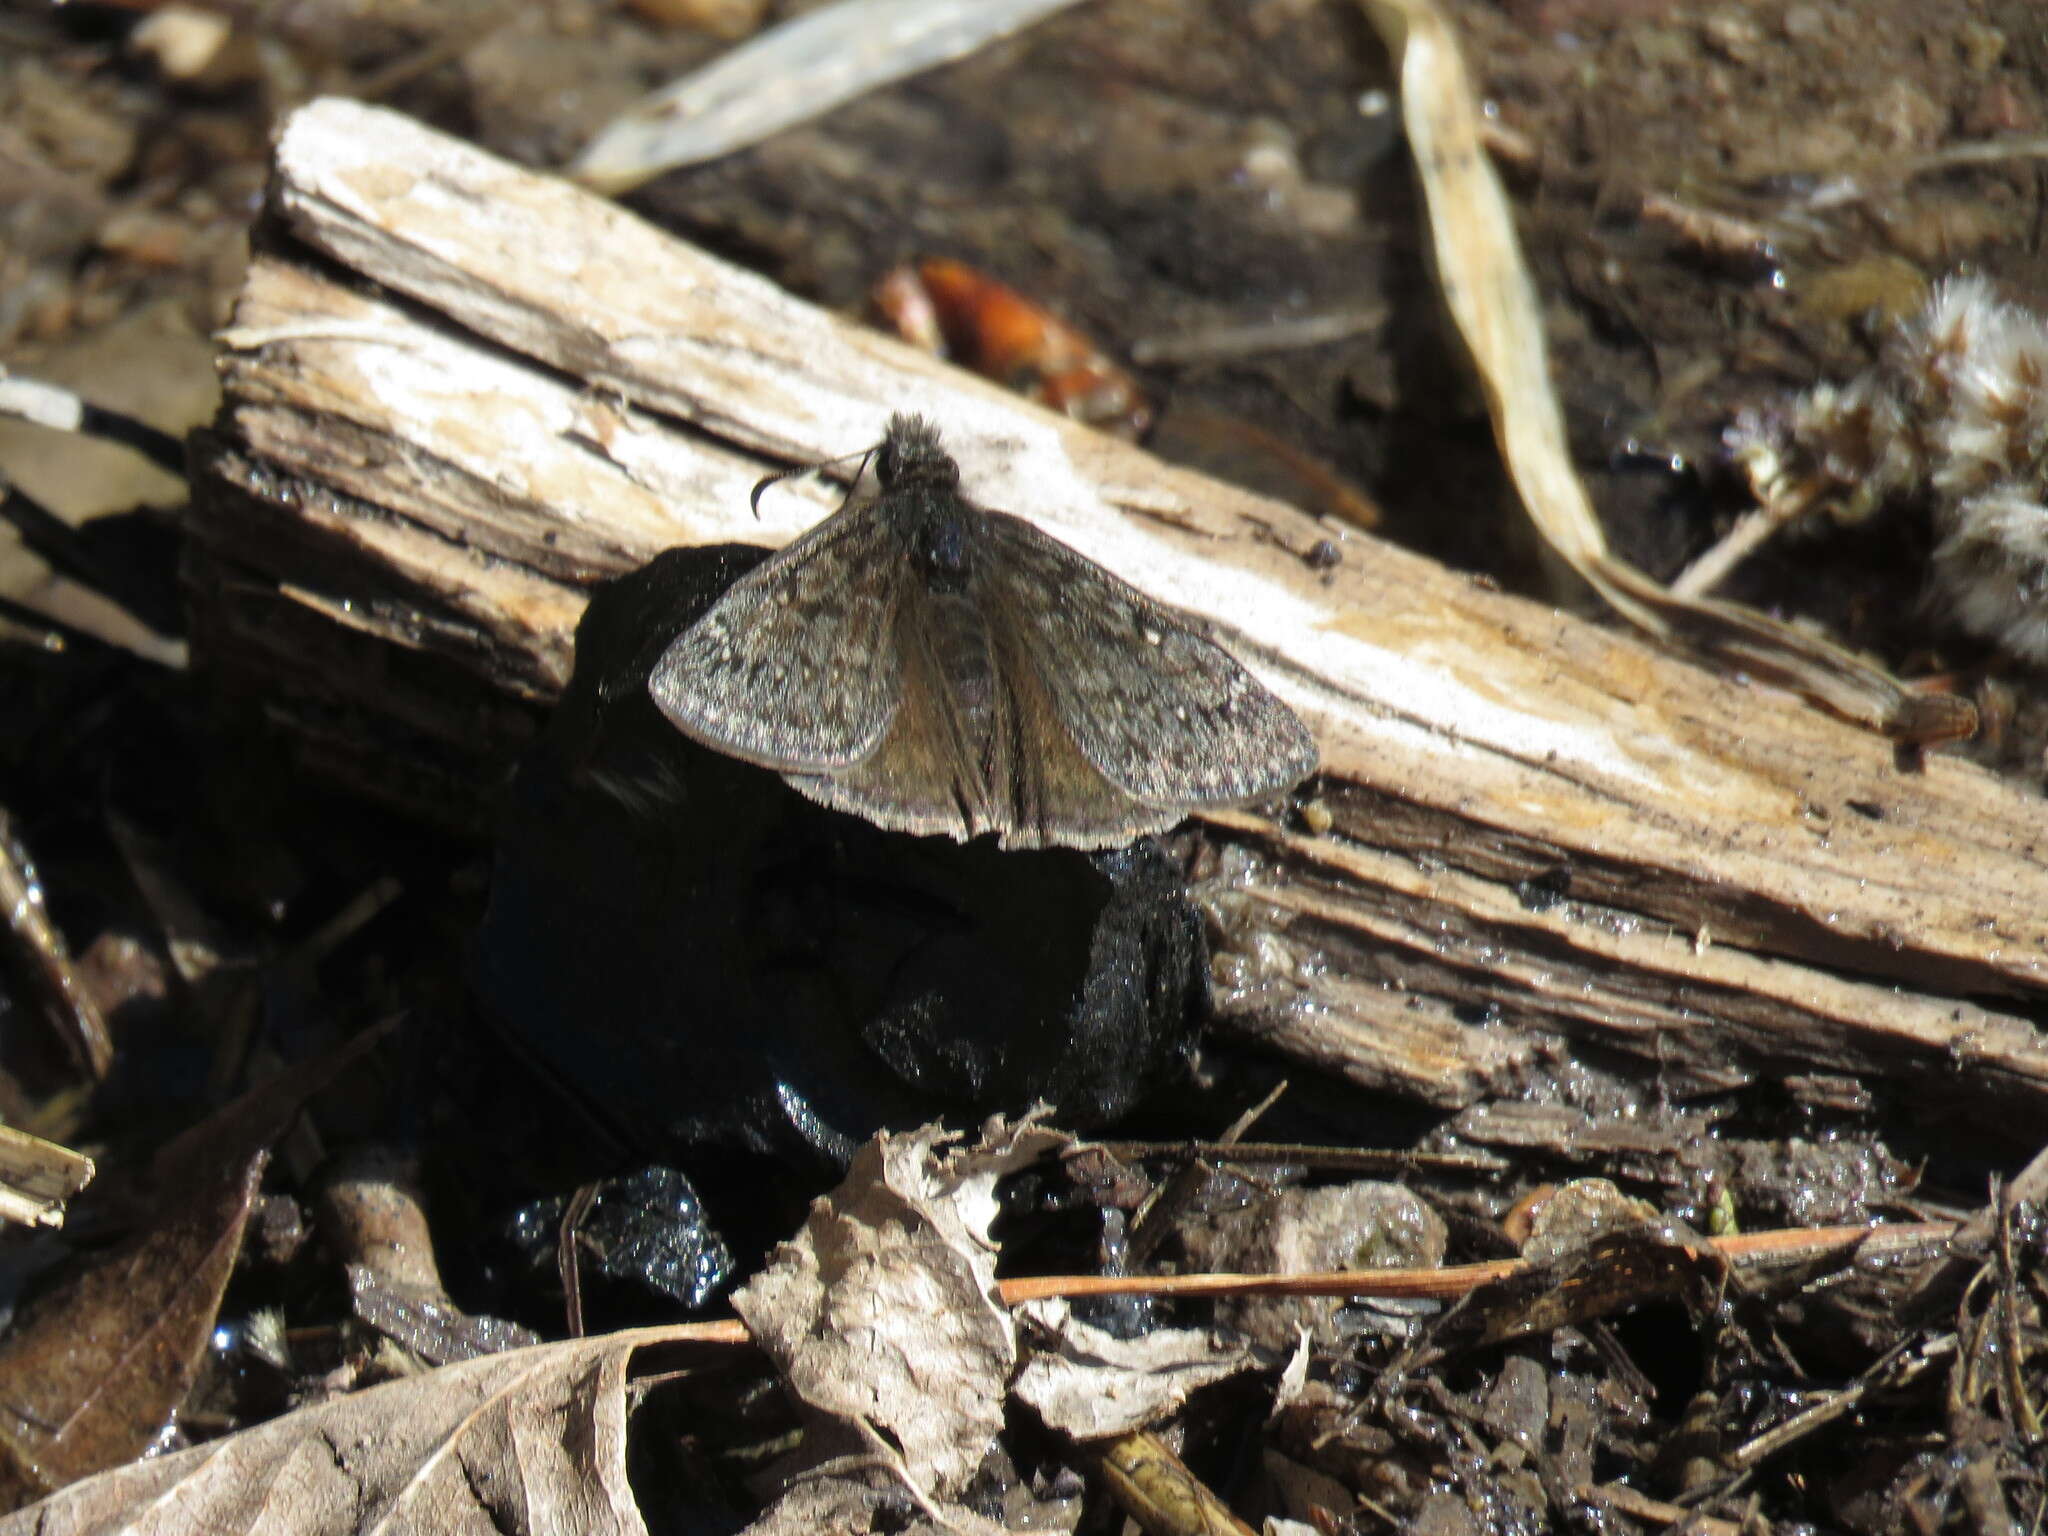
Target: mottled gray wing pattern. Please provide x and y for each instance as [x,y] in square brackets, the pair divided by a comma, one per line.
[974,752]
[924,777]
[791,668]
[1165,715]
[1046,792]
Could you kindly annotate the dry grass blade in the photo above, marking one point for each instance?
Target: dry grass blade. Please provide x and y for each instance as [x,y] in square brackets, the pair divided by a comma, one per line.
[790,74]
[1751,1251]
[1490,295]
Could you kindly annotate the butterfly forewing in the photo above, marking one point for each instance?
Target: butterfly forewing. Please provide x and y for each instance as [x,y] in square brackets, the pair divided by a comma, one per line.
[794,667]
[1164,715]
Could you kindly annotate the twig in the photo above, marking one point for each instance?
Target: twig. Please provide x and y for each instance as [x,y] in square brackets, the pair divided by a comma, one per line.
[1159,1492]
[1282,335]
[37,1178]
[1628,1501]
[1154,1217]
[1330,1159]
[1726,237]
[1751,532]
[1847,190]
[566,1259]
[2012,1354]
[1752,1453]
[32,626]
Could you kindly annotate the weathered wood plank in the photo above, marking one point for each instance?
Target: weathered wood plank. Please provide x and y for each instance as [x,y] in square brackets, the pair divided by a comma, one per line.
[1533,821]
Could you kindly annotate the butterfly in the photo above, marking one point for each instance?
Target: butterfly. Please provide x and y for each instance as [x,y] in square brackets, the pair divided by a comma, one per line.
[938,667]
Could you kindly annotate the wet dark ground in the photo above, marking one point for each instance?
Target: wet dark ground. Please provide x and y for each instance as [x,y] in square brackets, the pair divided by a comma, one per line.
[1159,173]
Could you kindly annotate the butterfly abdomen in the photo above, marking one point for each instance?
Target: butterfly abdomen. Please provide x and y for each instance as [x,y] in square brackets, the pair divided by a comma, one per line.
[967,662]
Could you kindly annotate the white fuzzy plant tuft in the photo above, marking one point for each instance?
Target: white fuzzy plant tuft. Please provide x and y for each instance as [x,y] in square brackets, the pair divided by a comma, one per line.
[1956,408]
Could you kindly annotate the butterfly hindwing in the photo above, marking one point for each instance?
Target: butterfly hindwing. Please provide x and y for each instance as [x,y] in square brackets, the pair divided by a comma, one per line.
[926,775]
[1053,796]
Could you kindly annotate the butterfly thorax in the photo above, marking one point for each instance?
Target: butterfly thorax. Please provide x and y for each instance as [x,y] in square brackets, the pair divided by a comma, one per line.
[921,503]
[939,536]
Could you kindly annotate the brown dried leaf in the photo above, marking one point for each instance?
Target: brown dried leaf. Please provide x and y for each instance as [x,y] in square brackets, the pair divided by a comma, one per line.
[533,1440]
[1090,1384]
[883,1310]
[96,1368]
[249,1123]
[1616,1269]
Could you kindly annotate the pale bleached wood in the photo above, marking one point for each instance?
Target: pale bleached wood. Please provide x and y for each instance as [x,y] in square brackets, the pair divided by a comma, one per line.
[548,391]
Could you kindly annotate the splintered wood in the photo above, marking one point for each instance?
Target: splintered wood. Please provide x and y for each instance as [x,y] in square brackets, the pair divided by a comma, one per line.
[459,393]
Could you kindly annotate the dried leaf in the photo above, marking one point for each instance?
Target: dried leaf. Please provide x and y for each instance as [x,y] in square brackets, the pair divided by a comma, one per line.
[533,1440]
[91,1375]
[1090,1384]
[1614,1271]
[94,1371]
[245,1124]
[883,1311]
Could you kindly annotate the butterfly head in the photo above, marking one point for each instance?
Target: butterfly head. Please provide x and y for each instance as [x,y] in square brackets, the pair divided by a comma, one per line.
[910,455]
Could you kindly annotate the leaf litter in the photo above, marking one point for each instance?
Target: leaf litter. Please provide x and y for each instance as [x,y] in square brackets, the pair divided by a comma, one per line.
[889,1329]
[882,1316]
[532,1440]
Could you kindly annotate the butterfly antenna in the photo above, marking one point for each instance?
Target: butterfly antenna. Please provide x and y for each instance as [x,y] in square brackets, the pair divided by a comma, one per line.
[761,486]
